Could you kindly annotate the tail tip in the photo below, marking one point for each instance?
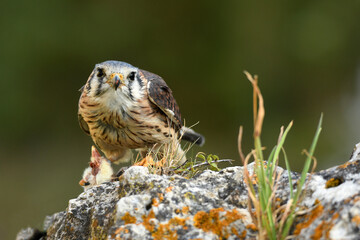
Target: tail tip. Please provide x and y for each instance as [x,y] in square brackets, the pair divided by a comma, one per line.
[192,136]
[200,140]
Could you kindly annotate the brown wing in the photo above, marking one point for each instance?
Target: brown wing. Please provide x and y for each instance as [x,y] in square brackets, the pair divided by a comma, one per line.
[84,126]
[161,95]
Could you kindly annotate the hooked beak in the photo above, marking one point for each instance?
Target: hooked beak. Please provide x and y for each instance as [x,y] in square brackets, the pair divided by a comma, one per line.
[117,80]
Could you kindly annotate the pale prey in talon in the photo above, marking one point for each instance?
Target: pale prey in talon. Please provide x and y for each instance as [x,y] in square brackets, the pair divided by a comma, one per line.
[123,107]
[100,170]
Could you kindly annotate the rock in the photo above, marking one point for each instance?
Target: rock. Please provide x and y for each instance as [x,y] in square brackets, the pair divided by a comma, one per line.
[212,205]
[333,198]
[30,234]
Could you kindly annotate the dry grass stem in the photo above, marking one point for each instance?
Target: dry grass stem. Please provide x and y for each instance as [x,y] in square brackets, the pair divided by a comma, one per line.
[285,215]
[242,157]
[259,111]
[304,151]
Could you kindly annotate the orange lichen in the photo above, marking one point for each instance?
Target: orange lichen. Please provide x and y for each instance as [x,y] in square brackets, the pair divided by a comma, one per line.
[168,230]
[202,220]
[119,230]
[356,219]
[324,227]
[232,216]
[169,189]
[252,227]
[318,232]
[117,233]
[185,210]
[161,197]
[155,202]
[243,234]
[128,218]
[345,165]
[333,182]
[236,233]
[177,211]
[215,222]
[309,218]
[164,230]
[146,221]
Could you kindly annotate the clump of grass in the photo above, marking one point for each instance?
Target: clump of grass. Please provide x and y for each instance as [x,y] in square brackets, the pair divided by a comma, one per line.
[273,221]
[170,158]
[163,158]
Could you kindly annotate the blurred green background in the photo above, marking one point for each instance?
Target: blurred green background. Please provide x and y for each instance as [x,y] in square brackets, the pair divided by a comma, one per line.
[307,55]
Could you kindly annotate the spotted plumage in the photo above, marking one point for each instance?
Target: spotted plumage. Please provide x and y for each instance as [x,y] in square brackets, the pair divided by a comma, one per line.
[123,107]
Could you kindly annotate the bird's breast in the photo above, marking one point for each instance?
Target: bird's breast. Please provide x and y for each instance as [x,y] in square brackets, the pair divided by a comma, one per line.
[137,126]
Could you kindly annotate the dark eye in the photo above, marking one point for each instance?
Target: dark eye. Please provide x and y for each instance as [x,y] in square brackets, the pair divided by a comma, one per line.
[131,76]
[100,72]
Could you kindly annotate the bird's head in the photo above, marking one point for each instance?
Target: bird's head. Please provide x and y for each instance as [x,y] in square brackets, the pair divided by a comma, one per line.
[115,77]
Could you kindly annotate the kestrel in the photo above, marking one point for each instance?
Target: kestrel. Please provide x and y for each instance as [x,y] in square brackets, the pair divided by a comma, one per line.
[123,107]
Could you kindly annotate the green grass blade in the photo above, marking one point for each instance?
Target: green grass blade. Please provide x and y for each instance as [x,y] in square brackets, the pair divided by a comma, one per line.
[308,160]
[264,192]
[259,166]
[306,168]
[279,147]
[270,162]
[289,173]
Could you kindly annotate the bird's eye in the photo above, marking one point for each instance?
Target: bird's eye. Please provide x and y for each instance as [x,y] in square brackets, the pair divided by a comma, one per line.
[100,72]
[131,76]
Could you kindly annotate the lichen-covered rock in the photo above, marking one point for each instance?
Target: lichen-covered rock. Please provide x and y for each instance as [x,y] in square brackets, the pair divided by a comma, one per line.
[212,205]
[332,203]
[91,214]
[172,207]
